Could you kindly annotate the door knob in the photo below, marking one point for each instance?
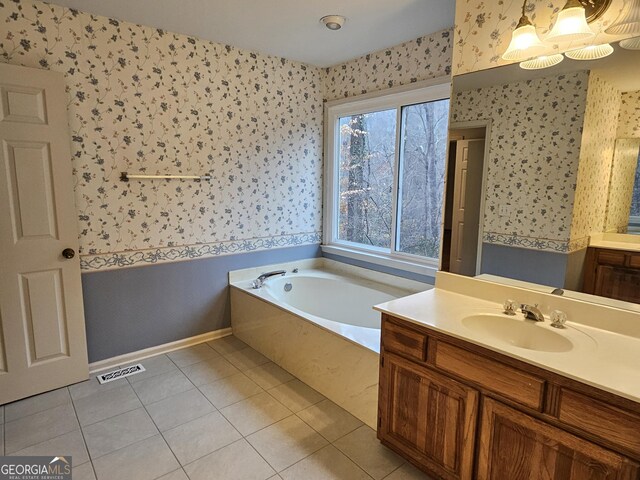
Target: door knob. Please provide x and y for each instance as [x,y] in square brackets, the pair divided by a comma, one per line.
[68,253]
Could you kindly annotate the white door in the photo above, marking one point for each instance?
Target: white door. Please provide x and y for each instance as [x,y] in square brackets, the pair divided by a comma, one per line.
[42,332]
[466,206]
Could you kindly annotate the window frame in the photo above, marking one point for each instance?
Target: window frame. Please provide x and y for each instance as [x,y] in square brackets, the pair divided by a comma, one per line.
[393,98]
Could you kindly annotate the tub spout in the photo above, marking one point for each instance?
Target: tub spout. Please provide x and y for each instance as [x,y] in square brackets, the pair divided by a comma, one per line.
[259,282]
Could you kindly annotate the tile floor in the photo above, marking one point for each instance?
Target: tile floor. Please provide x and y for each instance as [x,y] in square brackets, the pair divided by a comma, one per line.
[219,410]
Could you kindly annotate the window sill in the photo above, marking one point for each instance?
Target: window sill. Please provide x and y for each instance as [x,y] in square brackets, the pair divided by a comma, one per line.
[383,259]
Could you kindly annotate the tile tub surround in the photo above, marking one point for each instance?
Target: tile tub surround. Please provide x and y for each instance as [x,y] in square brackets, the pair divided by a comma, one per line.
[228,429]
[341,369]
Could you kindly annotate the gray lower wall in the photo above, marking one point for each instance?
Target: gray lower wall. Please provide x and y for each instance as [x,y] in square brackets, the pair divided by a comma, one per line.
[575,270]
[379,268]
[135,308]
[544,268]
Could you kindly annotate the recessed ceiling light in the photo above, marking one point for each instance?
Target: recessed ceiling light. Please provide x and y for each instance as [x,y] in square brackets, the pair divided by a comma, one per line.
[333,22]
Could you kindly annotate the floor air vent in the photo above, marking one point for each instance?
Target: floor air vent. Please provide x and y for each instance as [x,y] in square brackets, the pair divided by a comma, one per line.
[120,373]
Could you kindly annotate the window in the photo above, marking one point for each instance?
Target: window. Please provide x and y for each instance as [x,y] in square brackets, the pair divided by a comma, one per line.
[386,159]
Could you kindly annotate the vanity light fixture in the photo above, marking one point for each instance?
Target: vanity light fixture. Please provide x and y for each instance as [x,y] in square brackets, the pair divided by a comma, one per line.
[333,22]
[543,61]
[631,43]
[525,42]
[628,22]
[571,24]
[592,52]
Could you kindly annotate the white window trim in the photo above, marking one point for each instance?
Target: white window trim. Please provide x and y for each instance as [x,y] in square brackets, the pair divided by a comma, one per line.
[430,90]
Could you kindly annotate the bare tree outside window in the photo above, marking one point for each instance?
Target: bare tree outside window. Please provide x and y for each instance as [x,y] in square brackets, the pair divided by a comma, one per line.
[366,178]
[367,153]
[422,167]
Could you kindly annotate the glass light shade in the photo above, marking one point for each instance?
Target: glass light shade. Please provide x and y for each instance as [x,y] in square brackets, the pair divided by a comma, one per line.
[631,43]
[628,22]
[545,61]
[592,52]
[525,43]
[571,24]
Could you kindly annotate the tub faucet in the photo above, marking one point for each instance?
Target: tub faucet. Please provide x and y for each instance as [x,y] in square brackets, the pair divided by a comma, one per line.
[532,312]
[258,282]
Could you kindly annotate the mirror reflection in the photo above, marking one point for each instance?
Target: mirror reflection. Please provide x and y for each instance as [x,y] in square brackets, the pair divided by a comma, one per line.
[543,179]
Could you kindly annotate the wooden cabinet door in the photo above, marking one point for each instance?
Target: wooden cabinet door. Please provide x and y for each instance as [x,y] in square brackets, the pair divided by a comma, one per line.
[516,446]
[428,417]
[618,283]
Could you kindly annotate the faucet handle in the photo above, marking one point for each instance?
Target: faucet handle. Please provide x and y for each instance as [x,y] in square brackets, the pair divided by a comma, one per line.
[558,319]
[510,307]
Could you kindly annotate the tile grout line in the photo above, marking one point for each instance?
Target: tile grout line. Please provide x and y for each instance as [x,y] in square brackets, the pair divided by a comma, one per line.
[84,440]
[176,426]
[294,414]
[144,407]
[33,414]
[213,451]
[36,413]
[404,462]
[355,461]
[245,437]
[329,444]
[319,433]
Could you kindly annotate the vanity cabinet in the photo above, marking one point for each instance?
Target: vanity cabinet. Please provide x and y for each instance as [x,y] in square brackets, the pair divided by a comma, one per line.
[612,274]
[429,416]
[460,411]
[514,445]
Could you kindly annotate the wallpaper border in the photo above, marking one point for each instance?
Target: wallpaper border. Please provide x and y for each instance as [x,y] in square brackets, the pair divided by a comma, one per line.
[530,243]
[152,256]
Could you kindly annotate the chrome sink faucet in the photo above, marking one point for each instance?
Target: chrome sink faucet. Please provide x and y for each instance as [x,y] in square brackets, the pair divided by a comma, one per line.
[532,312]
[259,282]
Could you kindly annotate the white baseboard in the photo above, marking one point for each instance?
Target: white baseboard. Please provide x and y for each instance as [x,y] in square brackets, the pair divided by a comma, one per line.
[133,357]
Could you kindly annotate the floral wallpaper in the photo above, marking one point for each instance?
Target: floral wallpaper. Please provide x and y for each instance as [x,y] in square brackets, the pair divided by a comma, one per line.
[483,29]
[623,172]
[534,152]
[629,122]
[596,157]
[145,100]
[421,59]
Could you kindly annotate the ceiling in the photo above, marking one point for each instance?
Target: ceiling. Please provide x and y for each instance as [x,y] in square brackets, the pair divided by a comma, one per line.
[286,28]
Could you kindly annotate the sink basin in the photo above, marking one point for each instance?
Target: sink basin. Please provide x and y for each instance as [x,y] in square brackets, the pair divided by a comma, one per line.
[518,332]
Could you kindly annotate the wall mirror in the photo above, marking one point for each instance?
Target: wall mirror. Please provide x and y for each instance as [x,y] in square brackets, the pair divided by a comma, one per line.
[543,183]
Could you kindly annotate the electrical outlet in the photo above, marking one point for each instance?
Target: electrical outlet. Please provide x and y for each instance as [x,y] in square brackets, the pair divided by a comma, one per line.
[504,210]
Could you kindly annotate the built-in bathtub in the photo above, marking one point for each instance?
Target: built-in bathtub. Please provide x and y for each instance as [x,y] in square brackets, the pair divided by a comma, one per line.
[319,325]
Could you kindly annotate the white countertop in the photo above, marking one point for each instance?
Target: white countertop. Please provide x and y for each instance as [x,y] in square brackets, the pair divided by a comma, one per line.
[604,359]
[616,241]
